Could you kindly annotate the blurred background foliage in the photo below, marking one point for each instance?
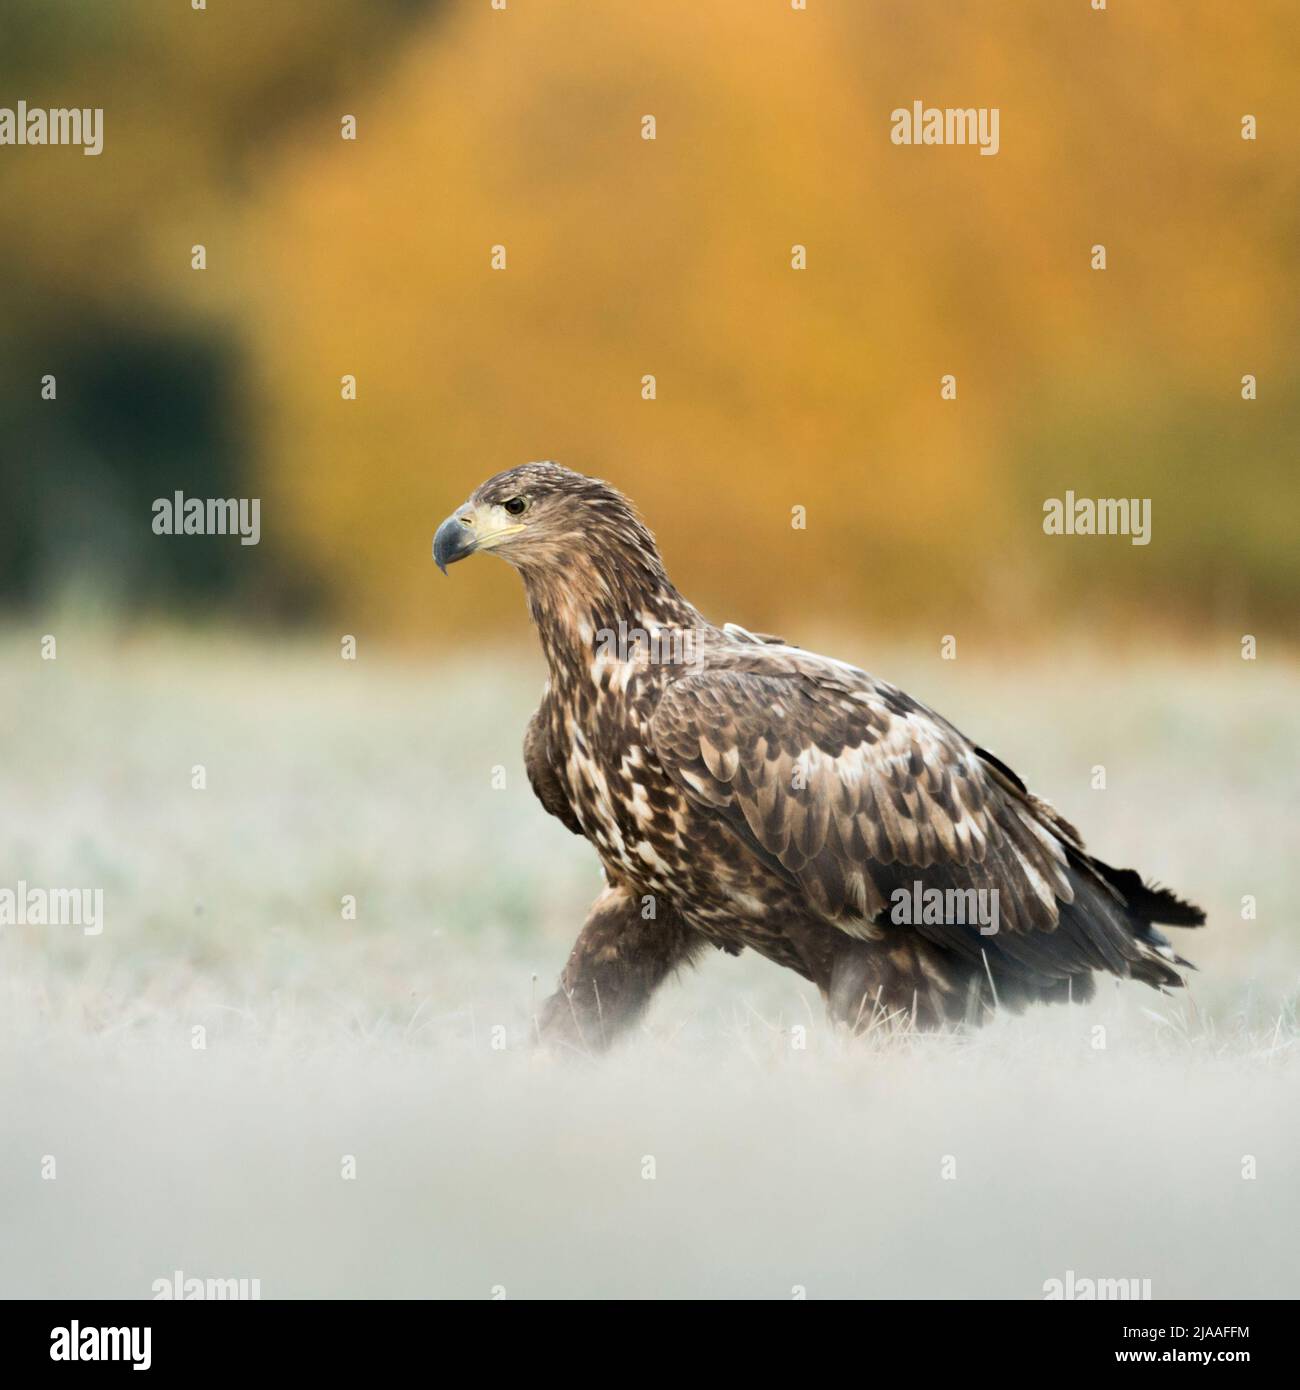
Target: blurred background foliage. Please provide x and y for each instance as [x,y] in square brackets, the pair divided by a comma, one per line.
[627,257]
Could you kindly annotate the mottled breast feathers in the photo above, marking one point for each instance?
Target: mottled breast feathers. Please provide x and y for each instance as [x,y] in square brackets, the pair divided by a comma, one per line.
[542,776]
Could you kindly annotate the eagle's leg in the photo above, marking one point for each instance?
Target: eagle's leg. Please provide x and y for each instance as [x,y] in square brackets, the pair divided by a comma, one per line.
[899,981]
[620,957]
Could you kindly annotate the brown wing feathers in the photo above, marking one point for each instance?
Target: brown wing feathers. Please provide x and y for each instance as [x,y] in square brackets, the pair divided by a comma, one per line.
[846,793]
[854,791]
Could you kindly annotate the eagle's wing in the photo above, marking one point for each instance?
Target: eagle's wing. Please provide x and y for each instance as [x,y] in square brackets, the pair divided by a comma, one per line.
[542,775]
[853,790]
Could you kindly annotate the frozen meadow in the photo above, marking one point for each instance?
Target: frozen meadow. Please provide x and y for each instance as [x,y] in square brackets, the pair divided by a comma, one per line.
[237,1078]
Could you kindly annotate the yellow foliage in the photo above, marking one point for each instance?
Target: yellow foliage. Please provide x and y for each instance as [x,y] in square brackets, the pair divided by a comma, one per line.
[779,387]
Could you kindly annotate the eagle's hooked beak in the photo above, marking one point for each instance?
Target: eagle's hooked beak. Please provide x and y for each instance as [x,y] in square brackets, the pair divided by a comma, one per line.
[455,538]
[470,528]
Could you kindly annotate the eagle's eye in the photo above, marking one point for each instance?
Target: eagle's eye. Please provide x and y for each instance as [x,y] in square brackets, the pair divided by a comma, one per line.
[515,506]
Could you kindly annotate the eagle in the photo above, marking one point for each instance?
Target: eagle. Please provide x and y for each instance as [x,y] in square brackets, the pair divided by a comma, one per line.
[742,792]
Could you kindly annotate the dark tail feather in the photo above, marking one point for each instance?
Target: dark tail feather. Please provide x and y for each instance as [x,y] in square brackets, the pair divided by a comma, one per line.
[1150,903]
[1145,905]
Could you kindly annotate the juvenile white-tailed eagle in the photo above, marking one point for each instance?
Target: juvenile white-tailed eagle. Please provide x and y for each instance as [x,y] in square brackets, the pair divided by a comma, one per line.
[743,792]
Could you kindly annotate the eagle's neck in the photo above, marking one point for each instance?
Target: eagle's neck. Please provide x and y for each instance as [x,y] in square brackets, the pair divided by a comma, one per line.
[599,607]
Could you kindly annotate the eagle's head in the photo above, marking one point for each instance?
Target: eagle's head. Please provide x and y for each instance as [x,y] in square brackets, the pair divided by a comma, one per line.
[541,518]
